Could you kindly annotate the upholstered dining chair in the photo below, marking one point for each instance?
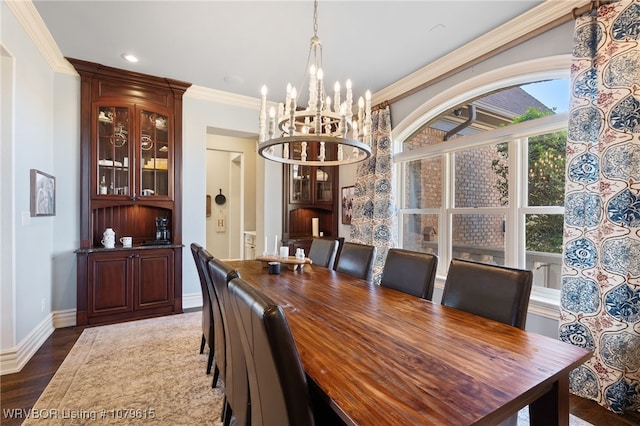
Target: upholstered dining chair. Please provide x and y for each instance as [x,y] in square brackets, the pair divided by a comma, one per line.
[496,292]
[323,252]
[277,382]
[357,260]
[236,391]
[208,334]
[410,272]
[204,257]
[491,291]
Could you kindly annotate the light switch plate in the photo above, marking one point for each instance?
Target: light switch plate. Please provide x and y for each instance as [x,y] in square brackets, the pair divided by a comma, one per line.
[26,218]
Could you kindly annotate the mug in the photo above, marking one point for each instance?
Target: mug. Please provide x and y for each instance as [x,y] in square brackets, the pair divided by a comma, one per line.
[274,268]
[126,241]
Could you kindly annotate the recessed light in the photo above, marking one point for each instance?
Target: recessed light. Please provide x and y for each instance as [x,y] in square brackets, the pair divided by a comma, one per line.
[129,57]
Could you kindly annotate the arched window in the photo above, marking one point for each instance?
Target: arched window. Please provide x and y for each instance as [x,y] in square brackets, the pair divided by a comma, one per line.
[483,178]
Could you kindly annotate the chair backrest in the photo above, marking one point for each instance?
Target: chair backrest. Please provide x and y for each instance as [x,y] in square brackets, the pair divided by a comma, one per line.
[357,260]
[410,272]
[235,374]
[277,382]
[491,291]
[323,252]
[218,333]
[207,314]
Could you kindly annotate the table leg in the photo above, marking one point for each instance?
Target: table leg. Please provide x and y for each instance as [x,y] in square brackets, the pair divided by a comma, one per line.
[552,408]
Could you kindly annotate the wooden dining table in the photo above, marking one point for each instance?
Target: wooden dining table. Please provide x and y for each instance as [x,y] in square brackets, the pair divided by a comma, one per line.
[383,357]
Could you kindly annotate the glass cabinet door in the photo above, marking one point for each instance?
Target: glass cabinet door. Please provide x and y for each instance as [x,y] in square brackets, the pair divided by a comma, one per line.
[300,183]
[113,147]
[154,154]
[324,181]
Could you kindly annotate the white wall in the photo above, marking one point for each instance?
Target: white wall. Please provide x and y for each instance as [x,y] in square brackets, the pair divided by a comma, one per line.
[7,277]
[39,272]
[201,113]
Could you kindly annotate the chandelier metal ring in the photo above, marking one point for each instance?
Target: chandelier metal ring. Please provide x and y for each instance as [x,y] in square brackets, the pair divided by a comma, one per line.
[364,151]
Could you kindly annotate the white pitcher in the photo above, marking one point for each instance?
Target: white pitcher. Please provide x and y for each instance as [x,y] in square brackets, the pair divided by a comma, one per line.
[109,238]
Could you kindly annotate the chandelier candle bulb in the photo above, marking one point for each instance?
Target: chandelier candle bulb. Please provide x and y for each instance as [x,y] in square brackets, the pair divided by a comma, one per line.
[292,112]
[367,108]
[287,99]
[272,122]
[349,99]
[312,88]
[263,114]
[361,118]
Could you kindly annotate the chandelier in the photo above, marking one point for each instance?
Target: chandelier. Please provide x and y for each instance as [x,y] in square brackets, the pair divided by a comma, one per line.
[326,132]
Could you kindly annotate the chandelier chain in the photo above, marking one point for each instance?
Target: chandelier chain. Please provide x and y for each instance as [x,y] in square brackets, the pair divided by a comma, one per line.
[315,18]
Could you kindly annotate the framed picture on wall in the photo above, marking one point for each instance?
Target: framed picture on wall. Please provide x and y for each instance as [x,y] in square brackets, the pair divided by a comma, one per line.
[347,204]
[43,194]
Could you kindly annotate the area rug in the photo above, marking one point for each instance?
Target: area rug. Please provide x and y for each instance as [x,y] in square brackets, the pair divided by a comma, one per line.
[146,371]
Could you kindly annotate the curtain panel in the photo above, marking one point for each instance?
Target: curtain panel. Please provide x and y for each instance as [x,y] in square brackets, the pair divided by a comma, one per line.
[600,296]
[374,219]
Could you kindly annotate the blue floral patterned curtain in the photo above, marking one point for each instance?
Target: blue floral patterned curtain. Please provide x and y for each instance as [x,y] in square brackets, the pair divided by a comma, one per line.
[374,214]
[600,301]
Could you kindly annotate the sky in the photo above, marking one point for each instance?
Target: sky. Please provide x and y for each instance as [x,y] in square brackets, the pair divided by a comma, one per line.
[553,93]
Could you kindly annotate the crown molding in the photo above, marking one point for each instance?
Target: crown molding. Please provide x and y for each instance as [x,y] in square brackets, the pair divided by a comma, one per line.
[530,22]
[30,20]
[219,96]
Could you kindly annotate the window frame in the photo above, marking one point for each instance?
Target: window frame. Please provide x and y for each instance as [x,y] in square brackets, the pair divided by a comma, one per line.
[516,135]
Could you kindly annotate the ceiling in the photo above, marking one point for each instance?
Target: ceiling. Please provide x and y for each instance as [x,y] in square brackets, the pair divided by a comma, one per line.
[237,46]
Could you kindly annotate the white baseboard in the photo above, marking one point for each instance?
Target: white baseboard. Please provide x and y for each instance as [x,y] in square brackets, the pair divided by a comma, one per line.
[192,300]
[66,318]
[14,359]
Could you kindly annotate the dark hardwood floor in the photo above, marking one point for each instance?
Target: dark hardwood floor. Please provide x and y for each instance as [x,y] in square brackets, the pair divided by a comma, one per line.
[22,390]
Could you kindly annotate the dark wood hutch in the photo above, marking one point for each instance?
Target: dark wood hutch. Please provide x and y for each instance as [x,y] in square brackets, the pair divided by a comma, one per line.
[130,175]
[309,192]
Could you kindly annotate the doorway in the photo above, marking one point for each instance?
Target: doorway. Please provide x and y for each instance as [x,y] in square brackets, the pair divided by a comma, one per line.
[225,203]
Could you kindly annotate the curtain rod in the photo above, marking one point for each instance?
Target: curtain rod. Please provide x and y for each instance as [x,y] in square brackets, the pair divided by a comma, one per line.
[553,24]
[589,8]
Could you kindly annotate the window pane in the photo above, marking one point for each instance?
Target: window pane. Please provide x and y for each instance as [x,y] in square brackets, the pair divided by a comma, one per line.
[420,232]
[478,237]
[424,137]
[423,184]
[482,176]
[546,169]
[544,248]
[544,232]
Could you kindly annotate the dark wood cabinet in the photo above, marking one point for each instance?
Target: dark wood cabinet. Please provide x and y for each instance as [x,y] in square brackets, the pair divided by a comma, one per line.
[131,167]
[309,192]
